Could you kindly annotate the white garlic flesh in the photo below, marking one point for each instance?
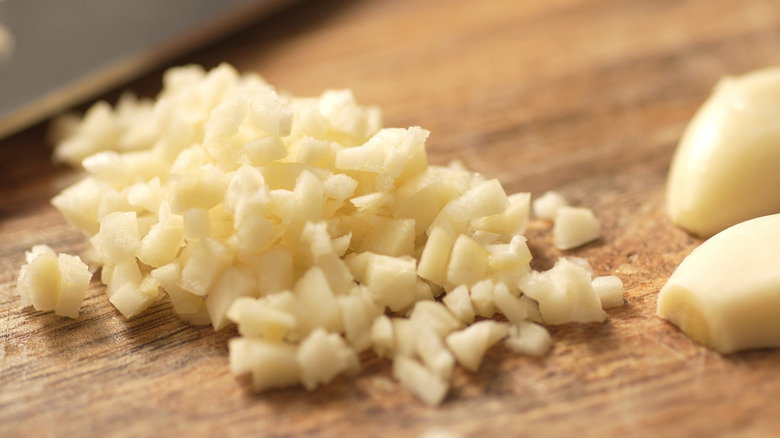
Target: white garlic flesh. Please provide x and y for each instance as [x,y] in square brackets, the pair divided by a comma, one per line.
[724,169]
[726,293]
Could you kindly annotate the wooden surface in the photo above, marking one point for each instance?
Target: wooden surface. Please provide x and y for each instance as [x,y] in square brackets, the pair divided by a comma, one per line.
[587,97]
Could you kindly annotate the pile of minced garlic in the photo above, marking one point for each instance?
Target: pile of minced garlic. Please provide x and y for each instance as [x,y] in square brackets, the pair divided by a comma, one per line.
[317,232]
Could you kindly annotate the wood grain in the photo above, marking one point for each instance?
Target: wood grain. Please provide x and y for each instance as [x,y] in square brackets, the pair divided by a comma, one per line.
[587,97]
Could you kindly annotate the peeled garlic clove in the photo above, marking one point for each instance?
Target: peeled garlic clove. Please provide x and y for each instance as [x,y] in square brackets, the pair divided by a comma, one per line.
[726,293]
[724,170]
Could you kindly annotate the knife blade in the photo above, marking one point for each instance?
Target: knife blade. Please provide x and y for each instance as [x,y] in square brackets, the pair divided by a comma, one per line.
[54,54]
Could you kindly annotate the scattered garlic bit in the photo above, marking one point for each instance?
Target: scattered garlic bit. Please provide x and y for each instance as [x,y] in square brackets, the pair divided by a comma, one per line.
[609,288]
[318,233]
[430,347]
[383,337]
[572,226]
[435,316]
[51,281]
[458,302]
[726,293]
[322,356]
[470,344]
[565,294]
[724,169]
[515,309]
[272,364]
[512,221]
[547,205]
[528,338]
[575,226]
[420,380]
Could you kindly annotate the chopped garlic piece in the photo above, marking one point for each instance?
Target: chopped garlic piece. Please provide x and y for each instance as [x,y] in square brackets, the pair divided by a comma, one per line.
[53,282]
[575,226]
[482,298]
[74,282]
[459,303]
[130,300]
[383,337]
[512,221]
[273,364]
[421,381]
[271,317]
[528,338]
[609,288]
[429,346]
[118,238]
[485,198]
[359,311]
[316,304]
[322,356]
[234,283]
[547,205]
[468,261]
[392,280]
[434,316]
[405,333]
[470,344]
[565,294]
[435,255]
[511,306]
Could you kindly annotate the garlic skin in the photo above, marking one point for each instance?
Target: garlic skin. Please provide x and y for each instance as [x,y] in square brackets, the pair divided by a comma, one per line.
[725,168]
[726,293]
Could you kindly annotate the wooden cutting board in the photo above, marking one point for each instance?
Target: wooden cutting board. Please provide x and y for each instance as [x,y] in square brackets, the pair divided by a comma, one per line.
[587,97]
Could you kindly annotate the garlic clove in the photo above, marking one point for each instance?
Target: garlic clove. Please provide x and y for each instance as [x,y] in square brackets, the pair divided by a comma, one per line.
[724,170]
[726,293]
